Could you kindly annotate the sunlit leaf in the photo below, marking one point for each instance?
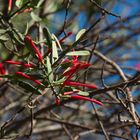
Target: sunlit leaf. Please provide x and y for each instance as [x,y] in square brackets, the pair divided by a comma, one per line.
[26,29]
[58,82]
[2,31]
[80,33]
[49,69]
[35,17]
[83,93]
[48,37]
[39,3]
[54,49]
[3,38]
[79,53]
[19,3]
[57,41]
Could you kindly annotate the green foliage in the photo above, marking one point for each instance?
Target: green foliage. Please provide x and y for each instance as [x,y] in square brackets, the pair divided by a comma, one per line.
[48,37]
[80,33]
[35,17]
[78,53]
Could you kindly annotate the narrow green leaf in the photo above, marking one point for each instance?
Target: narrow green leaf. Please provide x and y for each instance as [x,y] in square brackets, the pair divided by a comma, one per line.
[54,49]
[39,3]
[6,76]
[58,82]
[26,29]
[48,37]
[37,75]
[49,67]
[79,53]
[2,31]
[49,70]
[57,41]
[28,87]
[67,89]
[83,93]
[17,36]
[35,17]
[66,97]
[80,33]
[19,3]
[3,38]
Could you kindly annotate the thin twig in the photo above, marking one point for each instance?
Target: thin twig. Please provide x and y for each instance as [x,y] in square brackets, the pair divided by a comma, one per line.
[102,73]
[66,15]
[100,123]
[102,9]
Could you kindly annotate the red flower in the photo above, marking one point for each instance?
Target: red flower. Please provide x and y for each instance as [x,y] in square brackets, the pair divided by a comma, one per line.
[28,77]
[25,11]
[2,70]
[76,66]
[75,84]
[71,92]
[30,41]
[20,63]
[9,5]
[57,100]
[78,97]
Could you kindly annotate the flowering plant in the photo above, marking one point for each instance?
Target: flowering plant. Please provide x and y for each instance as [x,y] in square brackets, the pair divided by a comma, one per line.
[46,65]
